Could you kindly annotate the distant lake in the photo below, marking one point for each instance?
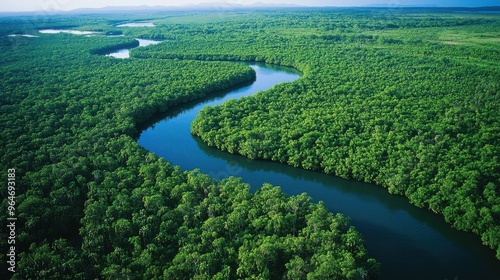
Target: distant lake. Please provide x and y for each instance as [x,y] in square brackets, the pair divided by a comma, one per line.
[76,32]
[136,24]
[22,35]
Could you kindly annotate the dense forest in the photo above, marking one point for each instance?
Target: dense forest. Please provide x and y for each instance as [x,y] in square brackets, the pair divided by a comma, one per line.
[91,203]
[407,101]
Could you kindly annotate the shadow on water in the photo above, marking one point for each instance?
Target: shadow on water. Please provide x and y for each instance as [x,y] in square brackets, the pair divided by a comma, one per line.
[187,106]
[409,242]
[212,97]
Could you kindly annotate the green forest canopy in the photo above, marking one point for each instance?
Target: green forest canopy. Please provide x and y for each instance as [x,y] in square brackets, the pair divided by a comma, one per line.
[409,102]
[91,203]
[405,100]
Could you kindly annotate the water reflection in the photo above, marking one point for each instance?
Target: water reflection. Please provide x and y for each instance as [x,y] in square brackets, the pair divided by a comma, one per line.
[125,53]
[411,243]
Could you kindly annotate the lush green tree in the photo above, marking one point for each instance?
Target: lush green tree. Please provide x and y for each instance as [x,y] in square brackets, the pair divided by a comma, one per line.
[91,202]
[409,102]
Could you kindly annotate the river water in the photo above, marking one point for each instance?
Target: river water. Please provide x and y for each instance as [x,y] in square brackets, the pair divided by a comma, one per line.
[409,242]
[125,53]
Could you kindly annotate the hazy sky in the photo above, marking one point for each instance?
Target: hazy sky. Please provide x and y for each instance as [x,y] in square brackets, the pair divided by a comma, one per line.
[31,5]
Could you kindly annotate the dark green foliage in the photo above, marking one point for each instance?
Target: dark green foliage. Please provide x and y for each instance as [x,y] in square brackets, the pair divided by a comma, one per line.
[410,109]
[187,226]
[93,204]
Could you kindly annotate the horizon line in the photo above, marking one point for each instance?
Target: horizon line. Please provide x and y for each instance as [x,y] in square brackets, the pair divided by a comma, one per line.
[205,6]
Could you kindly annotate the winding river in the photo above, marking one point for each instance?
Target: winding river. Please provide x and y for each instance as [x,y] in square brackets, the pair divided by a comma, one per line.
[409,242]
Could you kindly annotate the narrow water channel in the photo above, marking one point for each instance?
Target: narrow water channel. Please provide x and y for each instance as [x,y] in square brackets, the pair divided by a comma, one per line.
[125,53]
[410,243]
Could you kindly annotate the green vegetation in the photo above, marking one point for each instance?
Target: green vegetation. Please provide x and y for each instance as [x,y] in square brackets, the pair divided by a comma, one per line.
[92,204]
[408,101]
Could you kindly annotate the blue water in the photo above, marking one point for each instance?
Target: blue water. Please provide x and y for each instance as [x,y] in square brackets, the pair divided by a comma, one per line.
[409,242]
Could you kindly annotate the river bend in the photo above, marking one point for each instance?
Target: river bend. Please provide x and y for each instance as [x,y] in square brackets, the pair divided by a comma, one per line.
[409,242]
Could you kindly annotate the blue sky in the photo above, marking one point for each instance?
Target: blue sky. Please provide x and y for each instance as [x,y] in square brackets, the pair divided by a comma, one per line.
[32,5]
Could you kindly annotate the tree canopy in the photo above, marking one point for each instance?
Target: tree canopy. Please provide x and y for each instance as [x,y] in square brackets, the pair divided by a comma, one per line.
[92,203]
